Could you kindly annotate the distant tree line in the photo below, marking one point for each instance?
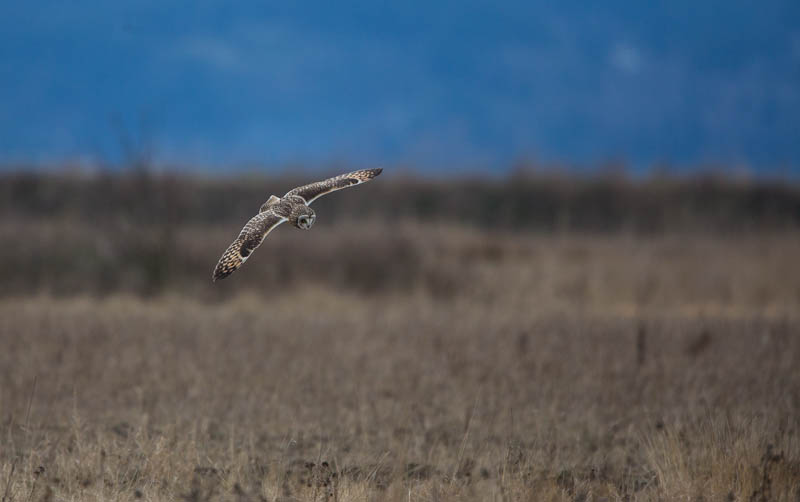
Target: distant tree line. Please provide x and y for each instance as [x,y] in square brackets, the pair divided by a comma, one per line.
[525,201]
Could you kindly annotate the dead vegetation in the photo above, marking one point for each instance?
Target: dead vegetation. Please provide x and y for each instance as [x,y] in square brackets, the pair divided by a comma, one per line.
[318,395]
[409,362]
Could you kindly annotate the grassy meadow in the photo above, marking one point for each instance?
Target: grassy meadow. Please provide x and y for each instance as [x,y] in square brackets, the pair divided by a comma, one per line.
[535,338]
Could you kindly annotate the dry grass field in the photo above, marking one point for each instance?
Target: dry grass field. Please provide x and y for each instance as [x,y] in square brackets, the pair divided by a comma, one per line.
[414,362]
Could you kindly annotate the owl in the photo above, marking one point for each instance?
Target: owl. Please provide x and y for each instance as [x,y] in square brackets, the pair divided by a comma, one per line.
[293,207]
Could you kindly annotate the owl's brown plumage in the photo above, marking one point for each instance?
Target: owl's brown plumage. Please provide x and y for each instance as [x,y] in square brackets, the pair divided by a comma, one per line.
[292,207]
[251,236]
[311,192]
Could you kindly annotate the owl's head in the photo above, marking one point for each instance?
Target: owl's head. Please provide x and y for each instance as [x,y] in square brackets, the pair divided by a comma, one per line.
[302,216]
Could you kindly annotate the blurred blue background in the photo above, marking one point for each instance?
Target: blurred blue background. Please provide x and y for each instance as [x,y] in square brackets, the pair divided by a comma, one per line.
[449,85]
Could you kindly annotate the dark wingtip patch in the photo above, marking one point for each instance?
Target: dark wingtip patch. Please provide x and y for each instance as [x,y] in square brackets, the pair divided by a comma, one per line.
[220,273]
[365,175]
[370,173]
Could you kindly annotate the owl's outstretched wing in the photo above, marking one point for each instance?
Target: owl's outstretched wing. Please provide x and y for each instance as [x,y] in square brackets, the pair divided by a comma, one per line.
[311,192]
[251,236]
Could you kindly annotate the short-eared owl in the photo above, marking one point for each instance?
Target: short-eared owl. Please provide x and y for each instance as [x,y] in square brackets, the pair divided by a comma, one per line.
[292,207]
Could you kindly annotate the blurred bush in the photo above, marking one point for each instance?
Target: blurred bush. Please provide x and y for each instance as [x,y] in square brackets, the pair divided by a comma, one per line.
[145,233]
[525,201]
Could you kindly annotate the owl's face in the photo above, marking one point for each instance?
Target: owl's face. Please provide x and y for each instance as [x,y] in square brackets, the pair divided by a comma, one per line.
[302,217]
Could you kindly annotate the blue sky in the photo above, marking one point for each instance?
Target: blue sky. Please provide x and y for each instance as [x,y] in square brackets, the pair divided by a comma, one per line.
[449,85]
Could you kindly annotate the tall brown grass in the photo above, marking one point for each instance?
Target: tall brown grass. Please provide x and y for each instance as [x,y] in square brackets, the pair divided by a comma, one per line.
[392,357]
[316,394]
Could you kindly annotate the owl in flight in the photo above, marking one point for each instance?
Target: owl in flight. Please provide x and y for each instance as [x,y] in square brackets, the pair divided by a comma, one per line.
[292,207]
